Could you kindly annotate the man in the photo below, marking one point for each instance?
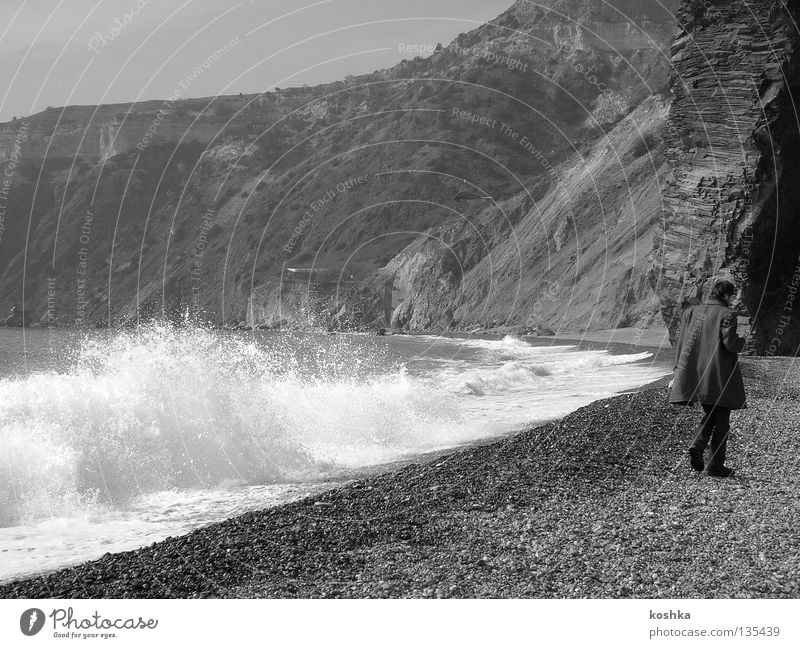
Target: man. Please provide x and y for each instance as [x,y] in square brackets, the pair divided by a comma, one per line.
[707,372]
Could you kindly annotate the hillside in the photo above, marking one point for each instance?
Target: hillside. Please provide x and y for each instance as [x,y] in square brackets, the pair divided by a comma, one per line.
[512,177]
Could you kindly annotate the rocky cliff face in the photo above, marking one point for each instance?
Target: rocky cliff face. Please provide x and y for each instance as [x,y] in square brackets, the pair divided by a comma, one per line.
[96,133]
[574,259]
[569,253]
[203,206]
[518,176]
[732,202]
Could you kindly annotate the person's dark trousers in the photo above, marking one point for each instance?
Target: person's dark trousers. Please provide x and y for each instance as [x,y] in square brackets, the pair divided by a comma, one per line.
[714,427]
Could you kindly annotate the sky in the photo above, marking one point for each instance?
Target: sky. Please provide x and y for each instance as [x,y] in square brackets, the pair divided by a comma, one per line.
[66,52]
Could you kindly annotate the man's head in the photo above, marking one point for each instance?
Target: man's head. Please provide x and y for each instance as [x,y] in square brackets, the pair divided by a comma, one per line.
[723,290]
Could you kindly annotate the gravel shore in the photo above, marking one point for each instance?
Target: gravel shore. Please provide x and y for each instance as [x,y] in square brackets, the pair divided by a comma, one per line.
[601,503]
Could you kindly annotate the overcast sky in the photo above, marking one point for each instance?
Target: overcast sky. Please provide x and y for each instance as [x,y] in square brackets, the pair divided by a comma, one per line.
[63,52]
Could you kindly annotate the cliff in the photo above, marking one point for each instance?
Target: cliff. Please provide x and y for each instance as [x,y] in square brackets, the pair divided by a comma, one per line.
[731,203]
[568,253]
[574,259]
[571,165]
[96,133]
[196,207]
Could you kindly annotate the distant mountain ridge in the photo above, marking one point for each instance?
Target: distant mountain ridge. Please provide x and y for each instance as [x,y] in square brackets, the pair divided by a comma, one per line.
[538,211]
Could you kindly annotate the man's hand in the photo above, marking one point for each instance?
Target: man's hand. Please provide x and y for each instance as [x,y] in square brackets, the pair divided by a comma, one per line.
[744,327]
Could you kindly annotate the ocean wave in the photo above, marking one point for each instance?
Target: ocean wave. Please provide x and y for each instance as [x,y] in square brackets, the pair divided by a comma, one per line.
[509,343]
[167,408]
[519,375]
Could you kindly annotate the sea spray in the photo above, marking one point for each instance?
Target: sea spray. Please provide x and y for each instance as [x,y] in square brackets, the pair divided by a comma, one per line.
[121,417]
[169,408]
[511,365]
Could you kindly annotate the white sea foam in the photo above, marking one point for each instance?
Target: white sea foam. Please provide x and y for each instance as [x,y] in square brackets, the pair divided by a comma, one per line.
[516,375]
[169,408]
[513,365]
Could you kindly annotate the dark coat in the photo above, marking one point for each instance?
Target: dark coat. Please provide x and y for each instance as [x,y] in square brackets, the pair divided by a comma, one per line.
[707,362]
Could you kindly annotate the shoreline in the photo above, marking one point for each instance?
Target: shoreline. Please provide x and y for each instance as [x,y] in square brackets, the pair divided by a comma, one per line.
[600,503]
[335,480]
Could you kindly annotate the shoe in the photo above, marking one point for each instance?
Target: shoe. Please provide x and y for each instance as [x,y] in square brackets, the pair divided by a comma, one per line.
[696,459]
[722,472]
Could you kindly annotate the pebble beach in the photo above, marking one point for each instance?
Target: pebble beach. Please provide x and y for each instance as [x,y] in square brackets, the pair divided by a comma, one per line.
[601,504]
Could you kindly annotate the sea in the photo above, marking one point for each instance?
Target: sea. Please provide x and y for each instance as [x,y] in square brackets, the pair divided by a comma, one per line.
[113,440]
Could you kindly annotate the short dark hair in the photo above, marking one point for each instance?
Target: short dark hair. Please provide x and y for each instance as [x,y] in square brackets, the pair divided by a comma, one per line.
[723,290]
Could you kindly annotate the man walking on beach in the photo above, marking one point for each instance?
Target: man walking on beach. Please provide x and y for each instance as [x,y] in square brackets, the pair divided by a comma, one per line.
[707,372]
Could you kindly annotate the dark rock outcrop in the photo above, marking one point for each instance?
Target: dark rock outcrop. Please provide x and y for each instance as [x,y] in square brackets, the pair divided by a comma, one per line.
[18,317]
[732,201]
